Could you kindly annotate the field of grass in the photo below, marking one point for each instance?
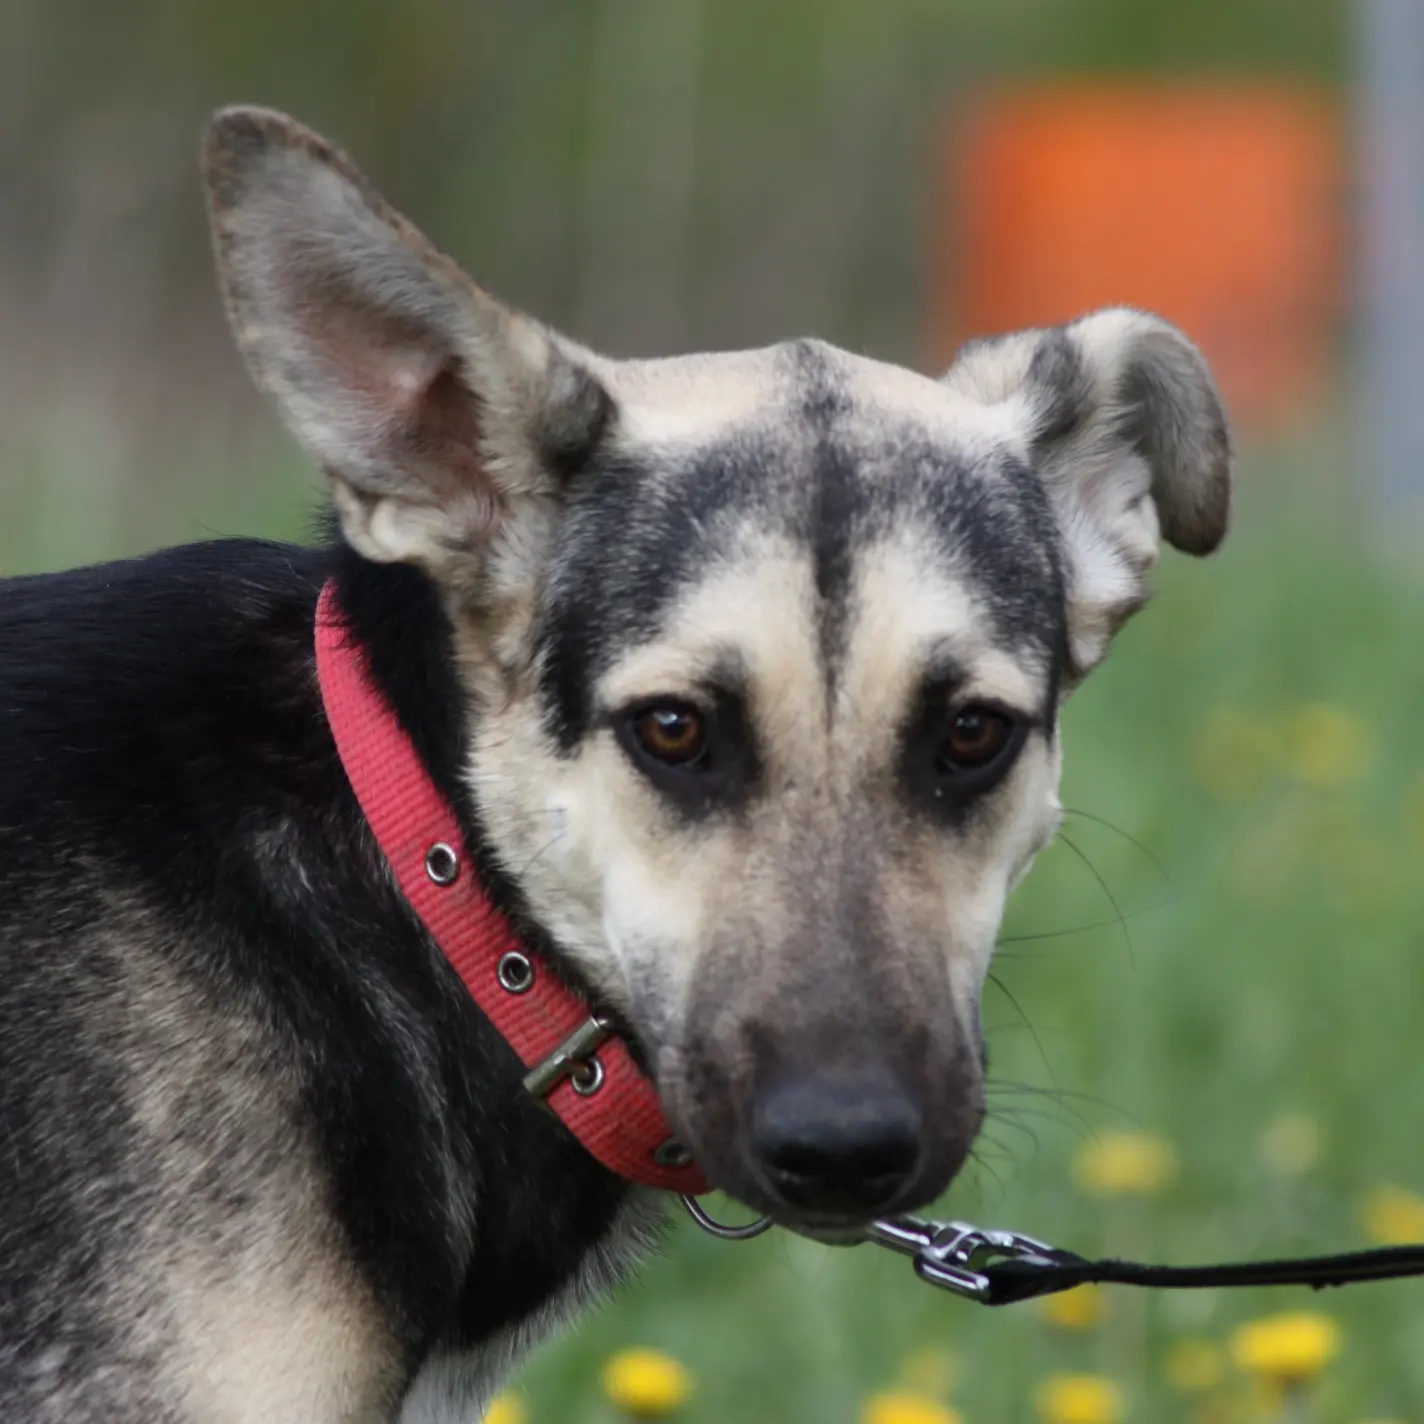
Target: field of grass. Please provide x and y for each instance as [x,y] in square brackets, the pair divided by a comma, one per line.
[1224,953]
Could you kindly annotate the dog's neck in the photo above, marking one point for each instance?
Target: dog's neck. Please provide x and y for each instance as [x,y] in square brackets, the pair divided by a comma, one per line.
[548,1022]
[395,613]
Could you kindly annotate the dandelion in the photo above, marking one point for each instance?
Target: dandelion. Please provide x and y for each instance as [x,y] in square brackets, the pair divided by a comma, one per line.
[505,1409]
[906,1406]
[1235,753]
[1079,1399]
[1287,1349]
[1078,1309]
[646,1383]
[1125,1164]
[1392,1216]
[931,1369]
[1326,747]
[1291,1144]
[1194,1365]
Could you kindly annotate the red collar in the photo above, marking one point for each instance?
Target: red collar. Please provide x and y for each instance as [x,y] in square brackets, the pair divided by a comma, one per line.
[601,1097]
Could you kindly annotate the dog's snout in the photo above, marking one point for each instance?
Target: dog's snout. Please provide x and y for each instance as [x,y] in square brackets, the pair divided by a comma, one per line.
[837,1144]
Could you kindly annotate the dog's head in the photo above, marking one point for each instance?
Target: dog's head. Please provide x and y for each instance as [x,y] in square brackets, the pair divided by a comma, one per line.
[764,651]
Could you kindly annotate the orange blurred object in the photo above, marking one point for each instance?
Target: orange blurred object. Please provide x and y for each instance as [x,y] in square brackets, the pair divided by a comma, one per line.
[1216,204]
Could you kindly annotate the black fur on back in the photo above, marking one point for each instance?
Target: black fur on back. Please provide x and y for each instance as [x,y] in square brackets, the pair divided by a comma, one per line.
[161,730]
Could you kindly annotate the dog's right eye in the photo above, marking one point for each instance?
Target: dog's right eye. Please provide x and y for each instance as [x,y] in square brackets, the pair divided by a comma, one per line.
[672,734]
[975,737]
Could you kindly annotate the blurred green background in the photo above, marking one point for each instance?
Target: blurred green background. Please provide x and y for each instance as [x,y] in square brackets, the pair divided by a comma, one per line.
[1225,954]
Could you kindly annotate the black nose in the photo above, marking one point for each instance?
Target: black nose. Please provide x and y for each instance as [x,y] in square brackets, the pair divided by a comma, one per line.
[836,1143]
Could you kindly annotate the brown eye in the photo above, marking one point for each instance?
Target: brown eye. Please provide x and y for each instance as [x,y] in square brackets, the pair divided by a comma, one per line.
[671,733]
[975,737]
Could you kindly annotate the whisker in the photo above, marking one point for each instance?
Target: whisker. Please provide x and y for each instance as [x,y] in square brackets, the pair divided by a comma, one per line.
[1018,1117]
[1130,839]
[1008,993]
[1009,1119]
[1111,898]
[1062,1097]
[1089,926]
[981,1165]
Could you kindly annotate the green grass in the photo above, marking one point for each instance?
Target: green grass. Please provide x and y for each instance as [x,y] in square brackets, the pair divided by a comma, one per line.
[1275,967]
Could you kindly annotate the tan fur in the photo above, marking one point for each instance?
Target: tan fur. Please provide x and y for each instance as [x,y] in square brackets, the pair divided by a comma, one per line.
[256,1312]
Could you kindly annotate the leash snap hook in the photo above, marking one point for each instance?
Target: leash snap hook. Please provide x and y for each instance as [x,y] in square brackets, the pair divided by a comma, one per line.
[953,1255]
[956,1256]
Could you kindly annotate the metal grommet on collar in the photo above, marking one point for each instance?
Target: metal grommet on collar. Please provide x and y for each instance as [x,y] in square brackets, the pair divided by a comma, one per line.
[515,973]
[587,1077]
[672,1153]
[442,865]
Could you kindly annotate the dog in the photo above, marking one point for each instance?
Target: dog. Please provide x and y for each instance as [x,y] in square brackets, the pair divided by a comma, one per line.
[740,676]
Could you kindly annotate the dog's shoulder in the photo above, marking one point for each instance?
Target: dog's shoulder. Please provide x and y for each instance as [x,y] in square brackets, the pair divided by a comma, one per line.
[144,622]
[110,673]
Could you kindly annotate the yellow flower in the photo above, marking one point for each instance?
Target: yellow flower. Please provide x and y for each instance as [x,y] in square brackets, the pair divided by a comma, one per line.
[931,1369]
[904,1406]
[1393,1216]
[1194,1365]
[1078,1309]
[1291,1144]
[505,1409]
[1079,1399]
[1235,753]
[1124,1164]
[1287,1348]
[646,1383]
[1326,747]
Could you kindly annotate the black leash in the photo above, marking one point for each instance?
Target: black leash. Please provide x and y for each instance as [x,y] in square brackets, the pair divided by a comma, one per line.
[1022,1277]
[1001,1267]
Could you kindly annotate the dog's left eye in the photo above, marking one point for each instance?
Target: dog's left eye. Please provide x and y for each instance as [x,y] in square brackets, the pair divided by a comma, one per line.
[976,736]
[671,733]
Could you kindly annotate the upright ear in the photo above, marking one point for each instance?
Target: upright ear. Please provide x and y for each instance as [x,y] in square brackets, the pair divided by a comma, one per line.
[1122,421]
[443,419]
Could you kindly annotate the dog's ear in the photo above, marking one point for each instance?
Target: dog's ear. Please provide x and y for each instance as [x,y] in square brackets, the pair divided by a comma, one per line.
[1123,423]
[444,420]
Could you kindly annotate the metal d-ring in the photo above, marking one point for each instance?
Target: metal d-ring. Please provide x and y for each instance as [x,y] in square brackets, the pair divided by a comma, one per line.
[586,1076]
[714,1227]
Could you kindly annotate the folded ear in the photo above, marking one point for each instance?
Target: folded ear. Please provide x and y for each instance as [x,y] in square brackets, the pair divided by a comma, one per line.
[1123,423]
[443,419]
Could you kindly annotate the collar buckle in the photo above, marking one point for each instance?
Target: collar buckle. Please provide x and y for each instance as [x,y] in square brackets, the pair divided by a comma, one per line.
[574,1058]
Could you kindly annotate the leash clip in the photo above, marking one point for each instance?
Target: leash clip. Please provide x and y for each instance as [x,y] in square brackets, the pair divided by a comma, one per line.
[953,1255]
